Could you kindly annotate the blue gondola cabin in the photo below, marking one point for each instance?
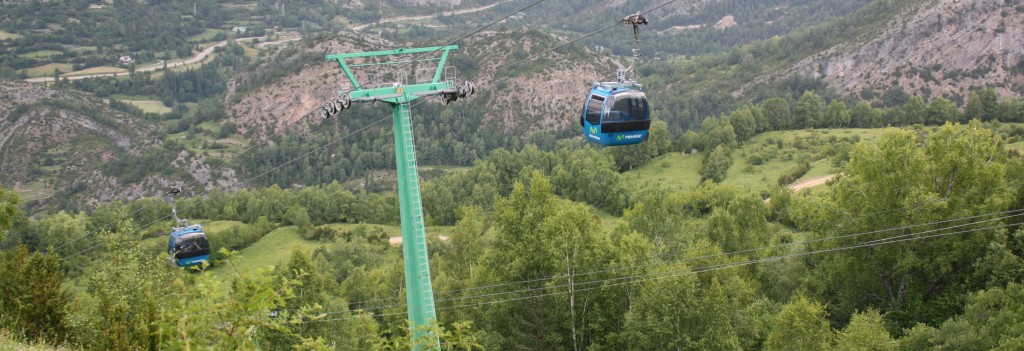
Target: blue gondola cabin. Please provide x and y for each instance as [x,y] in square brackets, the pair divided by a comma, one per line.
[616,114]
[188,246]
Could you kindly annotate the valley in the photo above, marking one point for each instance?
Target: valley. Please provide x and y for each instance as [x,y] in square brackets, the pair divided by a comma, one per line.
[813,175]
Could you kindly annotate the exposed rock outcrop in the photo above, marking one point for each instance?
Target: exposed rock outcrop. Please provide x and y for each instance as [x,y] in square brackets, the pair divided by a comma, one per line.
[942,48]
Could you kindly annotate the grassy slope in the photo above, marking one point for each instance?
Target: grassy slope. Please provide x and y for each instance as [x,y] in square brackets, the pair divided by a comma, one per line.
[273,249]
[205,36]
[673,171]
[681,172]
[6,35]
[150,105]
[765,176]
[40,53]
[47,69]
[276,247]
[1019,146]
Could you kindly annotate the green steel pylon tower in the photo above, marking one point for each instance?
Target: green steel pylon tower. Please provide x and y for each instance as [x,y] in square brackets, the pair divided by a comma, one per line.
[419,293]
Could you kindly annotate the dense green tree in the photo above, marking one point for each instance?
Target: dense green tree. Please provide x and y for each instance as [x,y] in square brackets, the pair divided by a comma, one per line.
[458,259]
[537,236]
[744,124]
[941,111]
[982,104]
[837,115]
[1003,262]
[54,230]
[680,312]
[990,321]
[914,111]
[760,118]
[751,220]
[777,112]
[246,311]
[126,296]
[866,332]
[659,216]
[808,111]
[801,325]
[310,296]
[1011,111]
[658,142]
[9,208]
[959,172]
[34,303]
[865,116]
[716,164]
[716,131]
[894,97]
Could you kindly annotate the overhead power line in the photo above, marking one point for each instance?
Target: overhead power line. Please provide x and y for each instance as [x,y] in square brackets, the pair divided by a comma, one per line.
[618,281]
[994,215]
[878,242]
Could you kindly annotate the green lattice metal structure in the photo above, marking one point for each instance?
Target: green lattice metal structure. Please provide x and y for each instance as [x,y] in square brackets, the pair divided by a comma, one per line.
[419,292]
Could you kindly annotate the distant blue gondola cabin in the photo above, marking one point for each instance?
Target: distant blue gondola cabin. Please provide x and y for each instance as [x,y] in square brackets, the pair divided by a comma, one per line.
[616,114]
[188,246]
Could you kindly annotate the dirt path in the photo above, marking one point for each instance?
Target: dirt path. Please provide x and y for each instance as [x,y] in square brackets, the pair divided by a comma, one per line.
[156,66]
[813,182]
[282,41]
[397,240]
[417,18]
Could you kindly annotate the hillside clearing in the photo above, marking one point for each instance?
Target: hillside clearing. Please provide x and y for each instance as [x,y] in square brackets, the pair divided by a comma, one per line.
[40,53]
[674,171]
[7,35]
[153,106]
[47,69]
[271,250]
[757,163]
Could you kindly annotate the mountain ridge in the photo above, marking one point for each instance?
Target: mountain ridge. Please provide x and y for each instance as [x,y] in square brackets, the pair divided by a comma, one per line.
[985,35]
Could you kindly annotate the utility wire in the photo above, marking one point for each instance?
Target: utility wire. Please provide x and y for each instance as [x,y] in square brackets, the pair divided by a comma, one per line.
[872,242]
[478,30]
[588,35]
[464,36]
[688,271]
[1013,213]
[1009,214]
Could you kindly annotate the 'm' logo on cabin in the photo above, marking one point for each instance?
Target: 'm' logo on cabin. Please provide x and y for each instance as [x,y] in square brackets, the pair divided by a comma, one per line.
[593,130]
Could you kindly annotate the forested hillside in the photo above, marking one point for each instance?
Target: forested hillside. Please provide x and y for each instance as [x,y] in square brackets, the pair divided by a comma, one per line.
[529,265]
[818,176]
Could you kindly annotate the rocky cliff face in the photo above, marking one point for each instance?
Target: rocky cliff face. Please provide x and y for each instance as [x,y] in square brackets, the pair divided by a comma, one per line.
[533,95]
[940,48]
[280,103]
[58,141]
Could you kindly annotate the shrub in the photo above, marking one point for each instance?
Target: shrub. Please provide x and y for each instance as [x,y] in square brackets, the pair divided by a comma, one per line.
[793,174]
[321,233]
